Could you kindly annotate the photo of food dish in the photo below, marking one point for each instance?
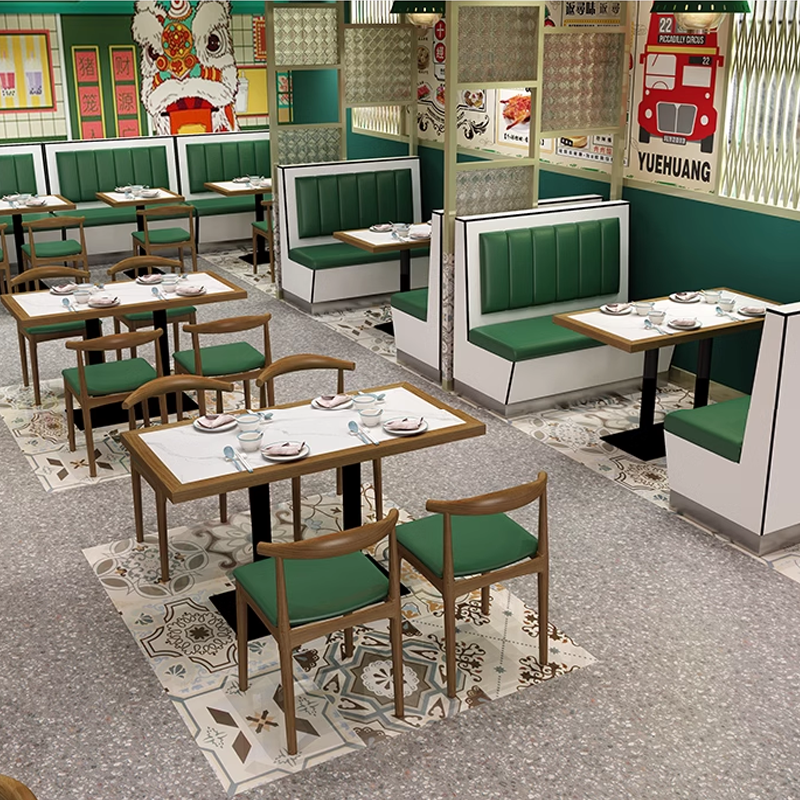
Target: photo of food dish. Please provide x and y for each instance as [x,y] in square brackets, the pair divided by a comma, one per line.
[423,92]
[440,94]
[578,142]
[516,110]
[423,58]
[473,99]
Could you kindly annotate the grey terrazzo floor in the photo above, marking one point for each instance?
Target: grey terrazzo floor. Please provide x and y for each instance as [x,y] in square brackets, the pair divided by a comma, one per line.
[693,696]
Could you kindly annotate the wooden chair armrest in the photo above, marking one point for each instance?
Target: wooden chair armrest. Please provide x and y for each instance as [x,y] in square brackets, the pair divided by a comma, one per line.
[137,262]
[230,325]
[174,383]
[302,361]
[494,502]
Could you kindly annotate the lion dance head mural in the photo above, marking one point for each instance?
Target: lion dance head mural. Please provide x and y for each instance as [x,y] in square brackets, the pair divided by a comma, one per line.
[188,68]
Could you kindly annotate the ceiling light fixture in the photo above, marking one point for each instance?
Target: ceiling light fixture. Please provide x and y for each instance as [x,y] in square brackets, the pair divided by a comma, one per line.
[421,14]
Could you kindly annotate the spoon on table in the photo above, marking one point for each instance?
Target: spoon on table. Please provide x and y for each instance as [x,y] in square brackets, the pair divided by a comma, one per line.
[157,293]
[721,313]
[232,455]
[358,432]
[67,304]
[649,325]
[265,415]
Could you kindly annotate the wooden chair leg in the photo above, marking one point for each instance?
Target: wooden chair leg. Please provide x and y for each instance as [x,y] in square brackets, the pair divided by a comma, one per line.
[339,480]
[23,359]
[241,638]
[297,521]
[223,508]
[255,252]
[246,394]
[543,581]
[486,599]
[348,642]
[219,402]
[265,401]
[70,419]
[194,259]
[179,405]
[118,329]
[396,635]
[136,485]
[449,612]
[287,681]
[89,436]
[37,393]
[377,483]
[163,547]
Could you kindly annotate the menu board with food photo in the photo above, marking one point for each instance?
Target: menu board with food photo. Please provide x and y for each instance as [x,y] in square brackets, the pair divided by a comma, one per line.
[513,113]
[588,148]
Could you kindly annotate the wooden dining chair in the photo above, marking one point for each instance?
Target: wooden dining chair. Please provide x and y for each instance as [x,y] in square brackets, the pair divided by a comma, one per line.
[11,789]
[5,264]
[95,385]
[151,239]
[60,252]
[305,590]
[162,388]
[231,361]
[144,265]
[31,338]
[263,229]
[306,361]
[470,544]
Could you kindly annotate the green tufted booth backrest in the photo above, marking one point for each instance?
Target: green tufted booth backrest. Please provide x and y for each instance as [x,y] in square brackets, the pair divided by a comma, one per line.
[549,264]
[224,161]
[17,174]
[83,172]
[329,203]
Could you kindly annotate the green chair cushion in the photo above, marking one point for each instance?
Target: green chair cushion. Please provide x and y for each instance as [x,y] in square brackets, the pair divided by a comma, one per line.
[718,428]
[529,338]
[222,359]
[147,316]
[341,254]
[54,249]
[480,543]
[62,327]
[315,589]
[163,235]
[112,377]
[414,302]
[219,204]
[262,226]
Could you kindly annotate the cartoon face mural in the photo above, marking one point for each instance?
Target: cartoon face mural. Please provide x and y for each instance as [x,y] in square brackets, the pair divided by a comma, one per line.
[189,78]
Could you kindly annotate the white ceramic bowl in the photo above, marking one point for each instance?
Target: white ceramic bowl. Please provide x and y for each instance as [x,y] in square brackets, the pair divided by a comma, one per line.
[711,296]
[726,303]
[363,401]
[248,422]
[250,441]
[370,417]
[642,308]
[657,317]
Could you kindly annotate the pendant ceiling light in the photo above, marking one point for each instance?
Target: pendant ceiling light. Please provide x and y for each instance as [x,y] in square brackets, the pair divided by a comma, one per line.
[700,17]
[423,15]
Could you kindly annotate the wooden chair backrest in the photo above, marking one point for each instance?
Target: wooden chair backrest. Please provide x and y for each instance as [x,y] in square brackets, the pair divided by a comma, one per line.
[181,210]
[11,789]
[139,263]
[34,276]
[305,361]
[54,223]
[3,246]
[229,325]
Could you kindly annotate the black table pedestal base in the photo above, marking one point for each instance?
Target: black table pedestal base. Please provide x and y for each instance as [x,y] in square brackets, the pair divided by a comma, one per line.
[645,444]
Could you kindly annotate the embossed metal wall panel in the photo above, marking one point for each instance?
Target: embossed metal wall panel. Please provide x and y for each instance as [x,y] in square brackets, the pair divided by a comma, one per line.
[305,36]
[486,191]
[309,145]
[377,64]
[497,44]
[581,81]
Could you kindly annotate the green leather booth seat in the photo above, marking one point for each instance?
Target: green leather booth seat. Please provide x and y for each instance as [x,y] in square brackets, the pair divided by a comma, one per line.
[341,254]
[549,264]
[102,215]
[347,201]
[82,173]
[414,302]
[17,174]
[224,161]
[219,204]
[523,339]
[718,428]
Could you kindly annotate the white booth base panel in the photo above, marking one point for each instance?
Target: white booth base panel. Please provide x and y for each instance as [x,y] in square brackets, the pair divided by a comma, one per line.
[316,291]
[513,388]
[423,349]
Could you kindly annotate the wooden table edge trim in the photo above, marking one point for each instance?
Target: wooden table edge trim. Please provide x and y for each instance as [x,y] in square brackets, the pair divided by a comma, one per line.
[376,249]
[212,186]
[178,492]
[140,201]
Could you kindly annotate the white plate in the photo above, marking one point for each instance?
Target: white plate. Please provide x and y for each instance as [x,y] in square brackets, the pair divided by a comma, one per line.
[422,428]
[607,310]
[696,299]
[62,294]
[694,327]
[123,189]
[302,454]
[151,282]
[184,293]
[104,305]
[149,194]
[382,228]
[35,202]
[340,407]
[228,426]
[241,180]
[750,313]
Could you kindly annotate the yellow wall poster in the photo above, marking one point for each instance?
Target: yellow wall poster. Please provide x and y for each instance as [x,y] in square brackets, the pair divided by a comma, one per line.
[26,72]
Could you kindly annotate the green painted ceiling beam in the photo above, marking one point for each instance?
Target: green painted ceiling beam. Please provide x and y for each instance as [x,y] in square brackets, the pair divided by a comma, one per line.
[103,7]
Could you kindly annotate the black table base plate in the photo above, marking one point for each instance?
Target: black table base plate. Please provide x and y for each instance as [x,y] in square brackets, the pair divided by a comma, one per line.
[645,444]
[225,603]
[263,258]
[115,414]
[386,327]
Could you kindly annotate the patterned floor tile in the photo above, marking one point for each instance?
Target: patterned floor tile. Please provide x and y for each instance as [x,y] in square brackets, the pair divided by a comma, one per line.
[342,703]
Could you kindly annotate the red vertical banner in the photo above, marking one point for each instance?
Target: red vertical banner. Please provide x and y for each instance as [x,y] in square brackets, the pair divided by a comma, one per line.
[125,80]
[88,92]
[259,39]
